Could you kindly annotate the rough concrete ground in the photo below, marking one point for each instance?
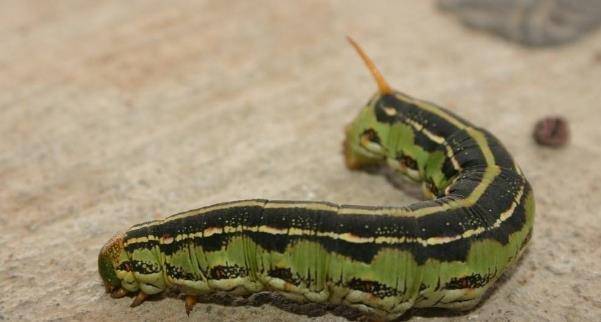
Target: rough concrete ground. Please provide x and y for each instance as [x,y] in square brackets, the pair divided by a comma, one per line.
[113,113]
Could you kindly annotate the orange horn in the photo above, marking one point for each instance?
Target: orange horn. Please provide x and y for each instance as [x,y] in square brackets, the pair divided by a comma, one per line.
[383,86]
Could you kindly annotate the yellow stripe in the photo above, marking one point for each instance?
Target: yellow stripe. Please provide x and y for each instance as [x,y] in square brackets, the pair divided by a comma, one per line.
[312,205]
[431,108]
[438,139]
[427,106]
[242,203]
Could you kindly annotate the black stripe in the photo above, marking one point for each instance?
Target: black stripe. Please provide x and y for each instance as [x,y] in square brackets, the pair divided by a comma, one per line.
[136,231]
[408,110]
[497,198]
[296,217]
[466,150]
[364,252]
[502,157]
[444,224]
[426,143]
[177,272]
[448,169]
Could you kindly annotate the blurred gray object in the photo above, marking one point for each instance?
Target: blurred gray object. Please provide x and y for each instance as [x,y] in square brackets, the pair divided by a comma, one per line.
[529,22]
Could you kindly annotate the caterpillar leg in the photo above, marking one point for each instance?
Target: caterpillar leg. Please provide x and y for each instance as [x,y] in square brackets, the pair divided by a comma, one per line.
[190,302]
[118,293]
[139,299]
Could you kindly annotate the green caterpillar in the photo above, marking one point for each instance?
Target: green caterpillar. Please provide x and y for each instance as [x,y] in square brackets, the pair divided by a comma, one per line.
[444,252]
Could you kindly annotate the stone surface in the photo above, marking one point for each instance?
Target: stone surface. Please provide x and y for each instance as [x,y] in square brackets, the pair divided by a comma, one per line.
[113,113]
[529,22]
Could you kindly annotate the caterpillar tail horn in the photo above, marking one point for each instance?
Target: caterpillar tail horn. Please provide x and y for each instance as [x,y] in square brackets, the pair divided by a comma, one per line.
[383,86]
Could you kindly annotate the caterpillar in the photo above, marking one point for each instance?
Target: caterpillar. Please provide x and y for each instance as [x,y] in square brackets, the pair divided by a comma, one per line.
[445,251]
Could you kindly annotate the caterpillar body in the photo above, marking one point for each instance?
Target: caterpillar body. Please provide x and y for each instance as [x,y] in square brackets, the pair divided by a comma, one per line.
[443,252]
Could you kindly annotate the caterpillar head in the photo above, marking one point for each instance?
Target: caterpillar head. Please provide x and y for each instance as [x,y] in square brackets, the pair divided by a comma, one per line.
[366,138]
[115,267]
[364,144]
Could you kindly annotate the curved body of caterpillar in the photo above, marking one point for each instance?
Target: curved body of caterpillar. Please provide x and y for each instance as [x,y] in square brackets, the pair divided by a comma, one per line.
[444,252]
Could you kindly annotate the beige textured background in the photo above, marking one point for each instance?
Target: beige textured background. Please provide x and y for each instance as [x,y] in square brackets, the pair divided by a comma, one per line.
[114,112]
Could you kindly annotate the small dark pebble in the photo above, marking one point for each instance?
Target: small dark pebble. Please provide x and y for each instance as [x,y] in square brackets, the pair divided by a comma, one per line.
[552,131]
